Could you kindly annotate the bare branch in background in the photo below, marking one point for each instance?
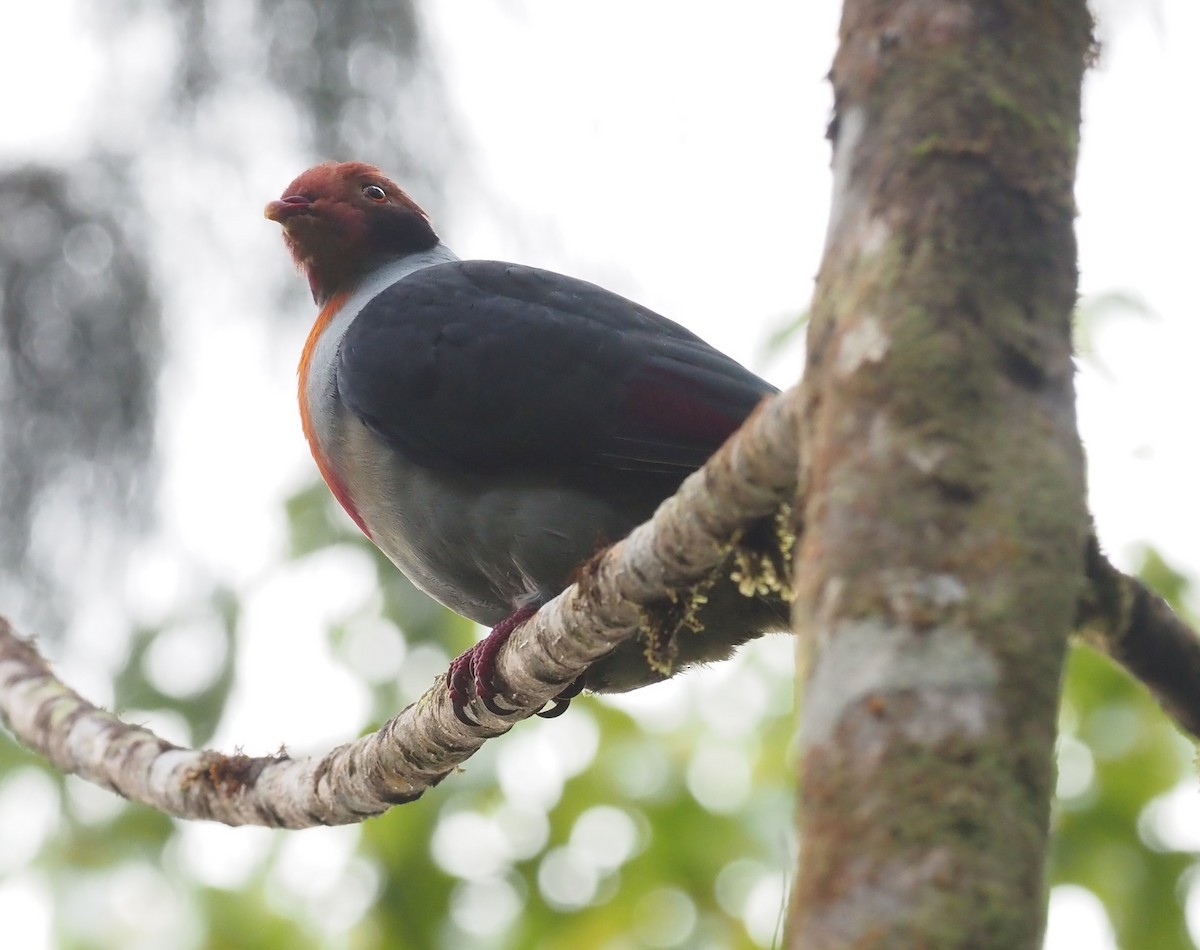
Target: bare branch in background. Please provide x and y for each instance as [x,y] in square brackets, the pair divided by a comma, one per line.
[1138,629]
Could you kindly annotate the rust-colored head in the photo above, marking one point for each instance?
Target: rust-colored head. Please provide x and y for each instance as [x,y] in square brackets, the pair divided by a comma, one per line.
[341,220]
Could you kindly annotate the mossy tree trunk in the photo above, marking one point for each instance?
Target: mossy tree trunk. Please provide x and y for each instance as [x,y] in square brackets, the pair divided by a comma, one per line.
[945,522]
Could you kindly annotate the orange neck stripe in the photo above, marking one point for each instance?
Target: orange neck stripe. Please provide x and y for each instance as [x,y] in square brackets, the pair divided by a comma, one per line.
[324,316]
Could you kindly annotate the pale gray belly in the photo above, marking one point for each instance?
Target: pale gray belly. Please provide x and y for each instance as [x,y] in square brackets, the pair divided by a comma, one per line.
[480,546]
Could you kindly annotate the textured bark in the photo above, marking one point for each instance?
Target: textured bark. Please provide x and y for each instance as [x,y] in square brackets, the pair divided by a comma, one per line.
[945,527]
[691,535]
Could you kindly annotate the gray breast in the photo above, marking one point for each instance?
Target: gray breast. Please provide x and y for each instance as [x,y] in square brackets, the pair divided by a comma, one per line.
[481,546]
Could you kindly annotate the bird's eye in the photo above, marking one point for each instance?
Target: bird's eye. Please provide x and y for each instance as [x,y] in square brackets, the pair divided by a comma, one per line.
[374,192]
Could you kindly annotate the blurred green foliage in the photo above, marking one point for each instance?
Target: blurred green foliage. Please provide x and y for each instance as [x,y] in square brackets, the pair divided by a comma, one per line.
[1118,757]
[660,822]
[601,829]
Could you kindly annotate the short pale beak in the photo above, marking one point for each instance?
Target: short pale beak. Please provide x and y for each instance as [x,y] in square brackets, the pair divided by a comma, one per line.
[286,208]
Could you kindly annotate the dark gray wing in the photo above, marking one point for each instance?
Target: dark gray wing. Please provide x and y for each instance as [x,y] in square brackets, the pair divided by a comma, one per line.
[481,366]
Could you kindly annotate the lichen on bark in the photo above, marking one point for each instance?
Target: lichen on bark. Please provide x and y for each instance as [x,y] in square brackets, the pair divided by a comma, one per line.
[945,523]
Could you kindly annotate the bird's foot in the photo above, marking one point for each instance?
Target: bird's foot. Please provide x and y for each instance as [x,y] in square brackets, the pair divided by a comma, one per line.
[478,665]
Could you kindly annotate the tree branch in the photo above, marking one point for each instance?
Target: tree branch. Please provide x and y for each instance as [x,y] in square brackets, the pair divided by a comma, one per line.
[686,540]
[690,536]
[1138,629]
[945,520]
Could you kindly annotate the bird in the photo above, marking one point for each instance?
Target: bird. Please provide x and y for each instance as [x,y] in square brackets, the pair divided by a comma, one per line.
[491,426]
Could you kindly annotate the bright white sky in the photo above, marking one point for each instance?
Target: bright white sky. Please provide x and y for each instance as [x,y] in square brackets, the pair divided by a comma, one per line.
[669,150]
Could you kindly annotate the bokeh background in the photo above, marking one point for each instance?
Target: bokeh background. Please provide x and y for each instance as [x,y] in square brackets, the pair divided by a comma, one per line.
[162,530]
